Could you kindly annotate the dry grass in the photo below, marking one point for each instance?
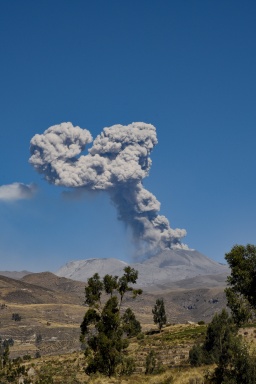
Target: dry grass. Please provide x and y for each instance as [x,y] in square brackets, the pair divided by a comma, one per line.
[171,347]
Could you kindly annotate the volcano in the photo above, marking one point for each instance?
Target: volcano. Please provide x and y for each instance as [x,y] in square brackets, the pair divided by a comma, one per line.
[166,267]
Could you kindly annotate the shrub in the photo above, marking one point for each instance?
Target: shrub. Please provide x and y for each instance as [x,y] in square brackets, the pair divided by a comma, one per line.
[196,356]
[27,357]
[38,338]
[140,336]
[153,366]
[128,366]
[16,317]
[150,363]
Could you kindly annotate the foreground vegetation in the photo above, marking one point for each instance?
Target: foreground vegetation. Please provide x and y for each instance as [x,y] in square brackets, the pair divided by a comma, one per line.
[171,348]
[116,351]
[171,352]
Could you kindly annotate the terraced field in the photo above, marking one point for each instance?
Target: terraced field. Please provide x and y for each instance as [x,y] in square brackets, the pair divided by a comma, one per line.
[171,348]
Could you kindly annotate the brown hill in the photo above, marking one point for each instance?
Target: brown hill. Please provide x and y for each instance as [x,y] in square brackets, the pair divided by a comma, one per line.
[51,310]
[38,289]
[49,281]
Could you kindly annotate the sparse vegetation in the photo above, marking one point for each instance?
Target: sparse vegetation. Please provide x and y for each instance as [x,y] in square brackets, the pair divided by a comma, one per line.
[171,348]
[153,354]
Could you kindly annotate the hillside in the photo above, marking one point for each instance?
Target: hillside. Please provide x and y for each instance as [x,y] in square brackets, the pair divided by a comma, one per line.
[52,309]
[171,348]
[14,274]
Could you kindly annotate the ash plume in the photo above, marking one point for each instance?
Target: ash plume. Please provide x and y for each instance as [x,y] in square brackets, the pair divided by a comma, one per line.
[117,162]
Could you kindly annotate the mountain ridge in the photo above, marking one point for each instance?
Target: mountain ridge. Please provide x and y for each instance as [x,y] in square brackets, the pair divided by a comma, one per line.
[167,266]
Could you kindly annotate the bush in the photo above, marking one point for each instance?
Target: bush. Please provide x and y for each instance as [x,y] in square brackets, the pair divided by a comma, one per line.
[140,336]
[128,366]
[27,357]
[196,356]
[150,363]
[38,338]
[16,317]
[167,380]
[238,368]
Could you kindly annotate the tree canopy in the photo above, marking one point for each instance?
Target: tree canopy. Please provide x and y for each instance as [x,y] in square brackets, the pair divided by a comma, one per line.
[241,293]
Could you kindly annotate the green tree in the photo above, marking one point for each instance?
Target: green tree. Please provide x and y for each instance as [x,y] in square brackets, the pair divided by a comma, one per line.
[241,294]
[240,308]
[219,337]
[222,346]
[131,325]
[150,363]
[159,313]
[103,330]
[4,351]
[239,366]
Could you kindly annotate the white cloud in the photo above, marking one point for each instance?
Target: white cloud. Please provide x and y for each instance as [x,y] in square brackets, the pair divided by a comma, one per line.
[17,191]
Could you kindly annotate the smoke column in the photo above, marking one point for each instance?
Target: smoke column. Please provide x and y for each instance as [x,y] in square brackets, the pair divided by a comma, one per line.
[117,162]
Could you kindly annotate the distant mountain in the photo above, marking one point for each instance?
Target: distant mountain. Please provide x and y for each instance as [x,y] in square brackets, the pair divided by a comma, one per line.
[166,267]
[14,274]
[81,270]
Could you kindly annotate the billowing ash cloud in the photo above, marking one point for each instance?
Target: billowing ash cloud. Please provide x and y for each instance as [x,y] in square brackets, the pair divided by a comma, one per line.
[117,162]
[16,191]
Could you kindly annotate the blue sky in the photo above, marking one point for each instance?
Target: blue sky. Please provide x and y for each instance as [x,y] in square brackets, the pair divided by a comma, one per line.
[187,67]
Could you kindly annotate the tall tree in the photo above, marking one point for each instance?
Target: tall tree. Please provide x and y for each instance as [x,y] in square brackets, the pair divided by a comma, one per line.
[103,330]
[241,293]
[159,313]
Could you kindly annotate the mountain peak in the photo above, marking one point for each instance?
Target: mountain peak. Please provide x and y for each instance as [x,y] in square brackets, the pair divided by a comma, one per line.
[169,265]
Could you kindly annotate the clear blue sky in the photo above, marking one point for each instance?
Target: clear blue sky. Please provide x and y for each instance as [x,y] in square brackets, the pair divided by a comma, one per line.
[187,67]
